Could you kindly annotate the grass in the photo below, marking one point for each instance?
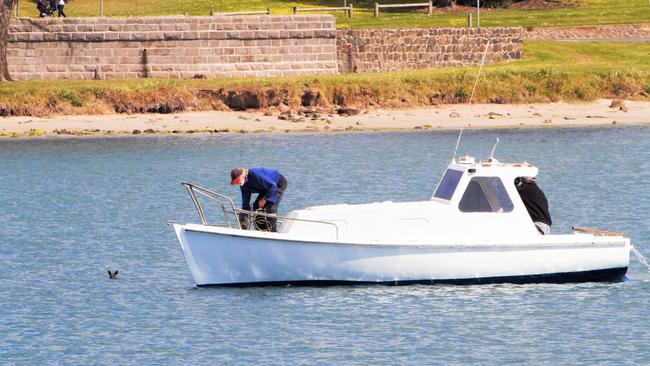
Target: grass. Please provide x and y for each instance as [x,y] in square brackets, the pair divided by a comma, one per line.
[589,12]
[550,71]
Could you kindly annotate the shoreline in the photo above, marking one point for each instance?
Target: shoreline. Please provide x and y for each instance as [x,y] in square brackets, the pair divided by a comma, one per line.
[441,117]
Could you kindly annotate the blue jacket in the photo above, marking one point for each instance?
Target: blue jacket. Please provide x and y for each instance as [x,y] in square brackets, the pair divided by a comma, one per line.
[262,181]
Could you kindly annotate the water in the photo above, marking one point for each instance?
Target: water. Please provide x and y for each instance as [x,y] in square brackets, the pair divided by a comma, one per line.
[72,209]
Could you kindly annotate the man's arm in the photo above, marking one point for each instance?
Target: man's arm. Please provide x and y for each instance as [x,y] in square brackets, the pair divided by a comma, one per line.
[245,200]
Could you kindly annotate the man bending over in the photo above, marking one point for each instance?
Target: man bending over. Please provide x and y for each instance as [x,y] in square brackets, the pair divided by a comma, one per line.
[269,185]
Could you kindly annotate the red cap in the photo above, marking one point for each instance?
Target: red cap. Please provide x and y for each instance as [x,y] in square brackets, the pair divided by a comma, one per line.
[235,174]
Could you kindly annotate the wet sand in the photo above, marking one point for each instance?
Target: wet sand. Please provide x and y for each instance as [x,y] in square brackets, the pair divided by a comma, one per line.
[441,117]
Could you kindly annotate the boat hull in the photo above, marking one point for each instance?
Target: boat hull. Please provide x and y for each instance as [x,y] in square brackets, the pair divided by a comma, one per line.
[227,257]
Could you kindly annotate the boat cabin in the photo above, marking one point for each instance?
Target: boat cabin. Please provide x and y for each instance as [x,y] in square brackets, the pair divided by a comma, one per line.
[473,199]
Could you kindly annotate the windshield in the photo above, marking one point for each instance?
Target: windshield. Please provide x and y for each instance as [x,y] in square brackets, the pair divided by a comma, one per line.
[485,194]
[448,184]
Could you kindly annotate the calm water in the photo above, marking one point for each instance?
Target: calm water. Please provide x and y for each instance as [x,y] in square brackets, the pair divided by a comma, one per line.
[71,209]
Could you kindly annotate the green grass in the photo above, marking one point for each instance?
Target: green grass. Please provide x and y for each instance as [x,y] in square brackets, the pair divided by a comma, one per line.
[590,12]
[550,71]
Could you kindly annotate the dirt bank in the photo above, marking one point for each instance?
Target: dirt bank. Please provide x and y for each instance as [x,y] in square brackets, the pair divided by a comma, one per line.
[310,120]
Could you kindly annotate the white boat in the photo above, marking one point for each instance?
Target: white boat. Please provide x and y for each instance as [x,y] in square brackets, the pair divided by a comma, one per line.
[474,229]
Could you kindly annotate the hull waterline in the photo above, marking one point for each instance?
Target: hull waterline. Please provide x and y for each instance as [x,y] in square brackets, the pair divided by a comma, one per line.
[603,275]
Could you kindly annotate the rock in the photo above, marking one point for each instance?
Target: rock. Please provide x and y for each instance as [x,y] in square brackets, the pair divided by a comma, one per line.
[569,118]
[536,115]
[136,132]
[284,115]
[493,115]
[547,121]
[417,127]
[268,113]
[149,130]
[454,114]
[618,104]
[283,107]
[243,117]
[349,111]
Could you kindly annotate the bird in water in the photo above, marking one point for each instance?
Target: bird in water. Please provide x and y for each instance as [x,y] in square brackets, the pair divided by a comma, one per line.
[112,275]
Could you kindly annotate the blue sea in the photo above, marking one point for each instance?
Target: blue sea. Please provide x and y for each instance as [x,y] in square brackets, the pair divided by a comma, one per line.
[71,209]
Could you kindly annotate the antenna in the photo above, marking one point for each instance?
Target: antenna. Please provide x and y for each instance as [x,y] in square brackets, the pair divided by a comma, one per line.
[453,158]
[471,98]
[487,47]
[494,148]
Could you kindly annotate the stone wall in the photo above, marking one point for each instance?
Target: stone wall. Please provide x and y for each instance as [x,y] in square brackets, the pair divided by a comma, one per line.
[171,47]
[202,47]
[362,50]
[601,32]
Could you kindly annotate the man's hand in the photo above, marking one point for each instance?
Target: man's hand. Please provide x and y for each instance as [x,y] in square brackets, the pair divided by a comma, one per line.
[261,202]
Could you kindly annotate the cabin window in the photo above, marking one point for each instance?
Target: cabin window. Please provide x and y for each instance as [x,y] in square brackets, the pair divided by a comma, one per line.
[485,194]
[448,184]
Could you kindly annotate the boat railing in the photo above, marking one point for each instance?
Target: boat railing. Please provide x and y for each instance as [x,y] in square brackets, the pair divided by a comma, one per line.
[233,216]
[224,202]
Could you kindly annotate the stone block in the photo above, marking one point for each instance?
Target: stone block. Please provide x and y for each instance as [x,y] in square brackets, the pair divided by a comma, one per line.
[92,37]
[124,36]
[170,36]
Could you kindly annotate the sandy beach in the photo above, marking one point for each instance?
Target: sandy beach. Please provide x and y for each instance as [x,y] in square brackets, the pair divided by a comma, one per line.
[441,117]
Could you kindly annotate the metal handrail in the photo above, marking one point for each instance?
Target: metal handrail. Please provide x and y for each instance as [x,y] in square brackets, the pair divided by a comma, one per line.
[347,9]
[258,213]
[192,189]
[429,5]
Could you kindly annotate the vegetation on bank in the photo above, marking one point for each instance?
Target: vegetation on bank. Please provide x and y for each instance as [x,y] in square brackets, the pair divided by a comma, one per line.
[550,71]
[577,12]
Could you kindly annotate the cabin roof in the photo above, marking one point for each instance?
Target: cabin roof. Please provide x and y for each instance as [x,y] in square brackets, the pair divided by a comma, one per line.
[494,167]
